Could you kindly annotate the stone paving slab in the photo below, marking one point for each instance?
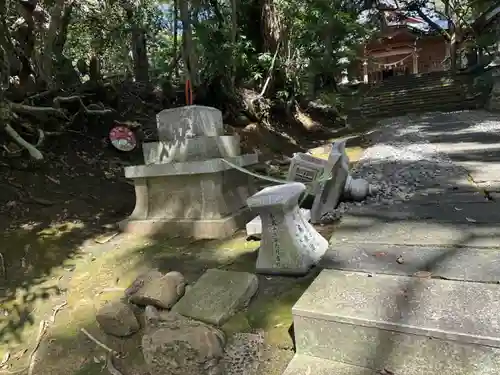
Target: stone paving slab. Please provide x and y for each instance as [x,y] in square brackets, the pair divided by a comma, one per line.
[470,264]
[307,365]
[217,295]
[482,171]
[444,197]
[480,213]
[372,230]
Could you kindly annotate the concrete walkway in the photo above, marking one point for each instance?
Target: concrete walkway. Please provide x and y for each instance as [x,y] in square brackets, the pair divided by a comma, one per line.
[453,232]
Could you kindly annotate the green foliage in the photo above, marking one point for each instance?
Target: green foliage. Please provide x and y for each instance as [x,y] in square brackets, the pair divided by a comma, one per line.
[315,38]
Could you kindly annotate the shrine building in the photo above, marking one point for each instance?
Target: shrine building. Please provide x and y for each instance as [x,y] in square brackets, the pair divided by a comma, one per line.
[403,47]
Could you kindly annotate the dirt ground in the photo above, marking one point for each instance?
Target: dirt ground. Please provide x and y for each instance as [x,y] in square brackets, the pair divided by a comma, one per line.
[53,217]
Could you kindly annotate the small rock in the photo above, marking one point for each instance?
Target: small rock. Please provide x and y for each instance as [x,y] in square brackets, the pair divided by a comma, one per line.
[117,319]
[141,280]
[160,291]
[176,345]
[400,260]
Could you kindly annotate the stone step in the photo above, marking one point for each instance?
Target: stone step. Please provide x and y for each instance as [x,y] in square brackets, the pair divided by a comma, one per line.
[398,110]
[306,365]
[419,89]
[363,229]
[415,100]
[457,212]
[452,263]
[402,325]
[408,97]
[412,85]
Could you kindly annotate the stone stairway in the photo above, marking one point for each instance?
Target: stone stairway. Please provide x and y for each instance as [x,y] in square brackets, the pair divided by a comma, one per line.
[412,288]
[401,299]
[437,91]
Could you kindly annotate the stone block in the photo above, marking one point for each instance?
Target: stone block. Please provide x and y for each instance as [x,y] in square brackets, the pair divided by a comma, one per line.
[162,292]
[307,169]
[189,168]
[451,263]
[338,148]
[255,226]
[198,205]
[289,245]
[302,364]
[177,124]
[199,196]
[191,149]
[405,325]
[217,295]
[330,191]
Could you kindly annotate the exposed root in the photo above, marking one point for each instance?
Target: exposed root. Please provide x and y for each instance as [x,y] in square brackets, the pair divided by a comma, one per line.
[104,346]
[33,151]
[36,111]
[89,111]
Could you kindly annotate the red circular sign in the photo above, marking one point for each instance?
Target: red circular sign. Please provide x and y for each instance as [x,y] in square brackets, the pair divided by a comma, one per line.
[122,138]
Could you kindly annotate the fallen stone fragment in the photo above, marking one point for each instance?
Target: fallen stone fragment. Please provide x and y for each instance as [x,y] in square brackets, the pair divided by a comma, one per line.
[117,319]
[141,280]
[161,291]
[217,295]
[176,345]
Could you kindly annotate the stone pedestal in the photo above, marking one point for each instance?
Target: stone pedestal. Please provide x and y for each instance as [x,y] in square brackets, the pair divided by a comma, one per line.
[185,188]
[289,244]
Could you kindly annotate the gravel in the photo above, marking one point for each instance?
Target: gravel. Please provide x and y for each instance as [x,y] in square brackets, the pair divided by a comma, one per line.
[402,162]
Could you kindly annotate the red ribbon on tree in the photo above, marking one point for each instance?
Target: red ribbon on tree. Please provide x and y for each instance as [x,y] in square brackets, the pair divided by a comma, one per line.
[189,93]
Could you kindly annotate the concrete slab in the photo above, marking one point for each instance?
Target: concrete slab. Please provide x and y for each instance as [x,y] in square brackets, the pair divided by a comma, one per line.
[217,295]
[486,212]
[470,264]
[305,365]
[372,230]
[406,325]
[355,298]
[482,171]
[445,197]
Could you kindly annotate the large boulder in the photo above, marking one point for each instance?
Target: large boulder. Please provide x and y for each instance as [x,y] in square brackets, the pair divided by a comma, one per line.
[175,345]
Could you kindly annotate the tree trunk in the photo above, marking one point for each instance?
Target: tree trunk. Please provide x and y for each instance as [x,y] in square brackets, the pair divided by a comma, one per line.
[271,24]
[139,46]
[174,66]
[188,52]
[234,33]
[49,43]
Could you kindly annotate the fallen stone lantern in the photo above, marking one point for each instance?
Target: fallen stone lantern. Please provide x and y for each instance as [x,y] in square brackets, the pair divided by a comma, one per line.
[289,244]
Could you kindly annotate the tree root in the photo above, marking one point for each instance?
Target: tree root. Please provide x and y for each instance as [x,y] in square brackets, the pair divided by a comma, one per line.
[33,150]
[36,111]
[89,111]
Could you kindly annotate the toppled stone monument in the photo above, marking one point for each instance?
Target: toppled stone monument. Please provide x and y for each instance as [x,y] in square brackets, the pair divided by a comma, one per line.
[176,345]
[329,180]
[255,226]
[185,187]
[289,244]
